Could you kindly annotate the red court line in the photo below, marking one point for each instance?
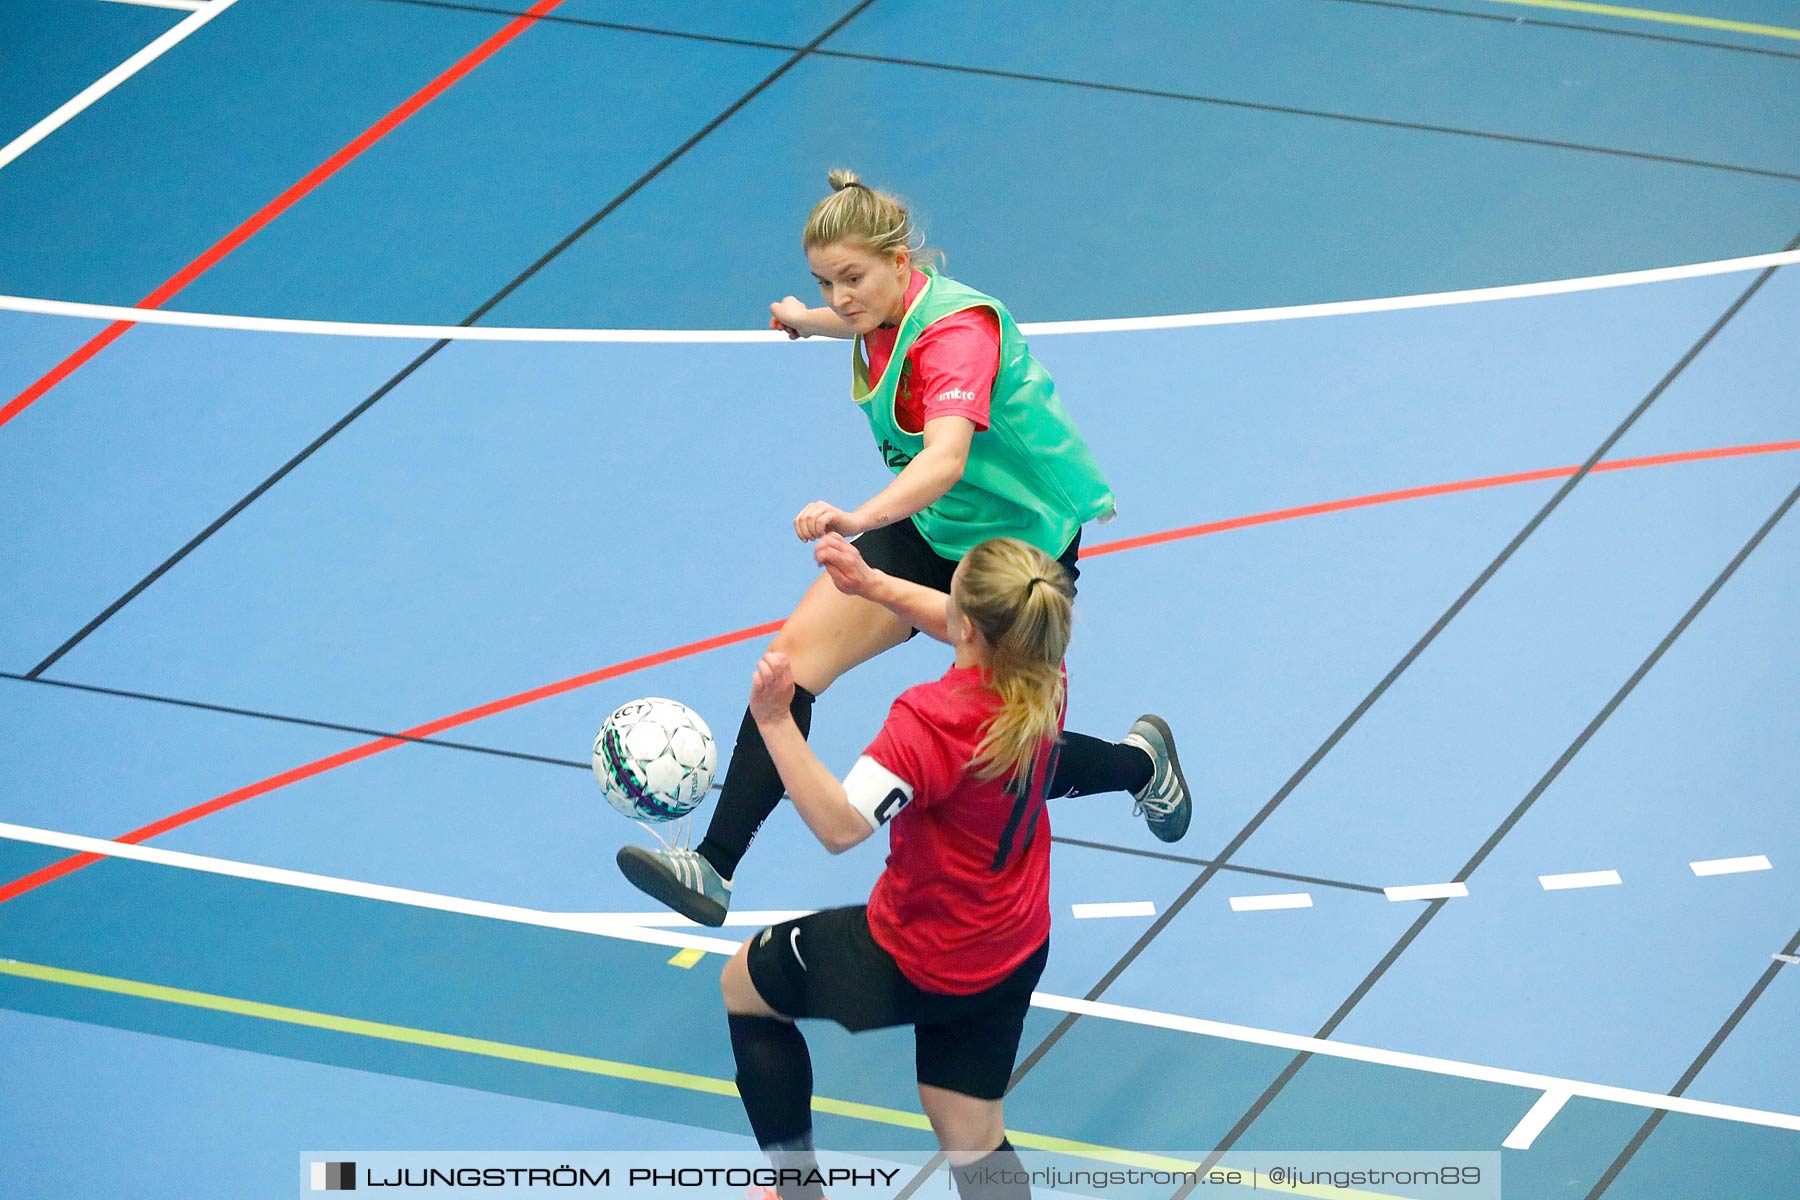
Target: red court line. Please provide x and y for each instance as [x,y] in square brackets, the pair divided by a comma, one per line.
[1419,493]
[279,205]
[356,753]
[36,879]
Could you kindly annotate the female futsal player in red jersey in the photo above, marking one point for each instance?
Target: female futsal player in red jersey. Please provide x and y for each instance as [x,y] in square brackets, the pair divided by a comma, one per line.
[956,932]
[980,446]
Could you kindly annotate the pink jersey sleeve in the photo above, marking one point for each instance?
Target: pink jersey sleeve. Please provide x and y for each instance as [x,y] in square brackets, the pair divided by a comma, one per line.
[916,750]
[954,363]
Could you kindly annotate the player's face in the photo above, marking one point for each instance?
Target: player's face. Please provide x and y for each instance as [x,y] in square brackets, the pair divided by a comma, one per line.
[866,289]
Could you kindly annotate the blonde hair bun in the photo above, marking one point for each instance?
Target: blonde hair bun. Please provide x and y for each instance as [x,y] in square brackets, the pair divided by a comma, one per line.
[878,221]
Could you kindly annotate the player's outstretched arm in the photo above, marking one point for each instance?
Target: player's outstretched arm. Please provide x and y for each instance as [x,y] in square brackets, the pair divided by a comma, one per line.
[815,791]
[920,484]
[923,481]
[799,321]
[925,609]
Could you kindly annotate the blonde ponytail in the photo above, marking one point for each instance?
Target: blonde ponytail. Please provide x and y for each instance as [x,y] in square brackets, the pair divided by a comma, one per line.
[877,221]
[1022,601]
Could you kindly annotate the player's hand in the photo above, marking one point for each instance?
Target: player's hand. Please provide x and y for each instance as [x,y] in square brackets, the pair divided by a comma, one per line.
[819,518]
[772,689]
[844,563]
[788,314]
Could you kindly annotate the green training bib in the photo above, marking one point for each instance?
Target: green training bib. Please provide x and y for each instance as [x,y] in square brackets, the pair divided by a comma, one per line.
[1029,474]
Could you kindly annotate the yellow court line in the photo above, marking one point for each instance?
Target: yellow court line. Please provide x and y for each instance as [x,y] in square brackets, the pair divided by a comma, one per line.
[599,1066]
[1663,18]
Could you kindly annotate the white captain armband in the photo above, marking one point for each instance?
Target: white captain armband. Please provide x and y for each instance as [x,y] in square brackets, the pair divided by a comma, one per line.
[876,792]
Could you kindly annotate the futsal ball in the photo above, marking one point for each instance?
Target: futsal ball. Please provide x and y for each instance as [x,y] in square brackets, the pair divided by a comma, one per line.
[655,759]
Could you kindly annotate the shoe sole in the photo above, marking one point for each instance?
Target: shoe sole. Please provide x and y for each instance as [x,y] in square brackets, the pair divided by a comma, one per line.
[1168,740]
[647,873]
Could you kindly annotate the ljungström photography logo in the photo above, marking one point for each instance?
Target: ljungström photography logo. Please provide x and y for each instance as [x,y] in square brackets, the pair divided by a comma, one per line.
[334,1177]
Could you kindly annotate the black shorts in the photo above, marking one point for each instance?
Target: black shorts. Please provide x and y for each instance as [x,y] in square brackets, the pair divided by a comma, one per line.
[828,965]
[902,551]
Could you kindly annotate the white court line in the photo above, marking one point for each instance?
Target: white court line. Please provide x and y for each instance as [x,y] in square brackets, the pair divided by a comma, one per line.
[1579,879]
[1248,316]
[1272,902]
[185,5]
[604,924]
[750,916]
[1533,1122]
[1427,891]
[1415,1062]
[1730,866]
[607,925]
[1121,908]
[111,80]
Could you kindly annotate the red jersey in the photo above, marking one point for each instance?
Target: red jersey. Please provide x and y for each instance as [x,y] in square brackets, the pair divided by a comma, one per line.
[950,368]
[965,897]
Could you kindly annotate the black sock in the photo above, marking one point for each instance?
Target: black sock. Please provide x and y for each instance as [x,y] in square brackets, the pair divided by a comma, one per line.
[1087,766]
[751,792]
[775,1081]
[997,1176]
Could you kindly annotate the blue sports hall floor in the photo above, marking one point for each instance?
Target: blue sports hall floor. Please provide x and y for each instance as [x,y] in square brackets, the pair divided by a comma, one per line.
[1455,542]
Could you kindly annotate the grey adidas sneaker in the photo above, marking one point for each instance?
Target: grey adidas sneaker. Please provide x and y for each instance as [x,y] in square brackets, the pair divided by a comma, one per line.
[679,879]
[1164,803]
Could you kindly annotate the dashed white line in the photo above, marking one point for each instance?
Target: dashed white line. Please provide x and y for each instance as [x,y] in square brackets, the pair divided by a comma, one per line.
[1731,866]
[1533,1122]
[609,925]
[1122,908]
[1267,903]
[1580,879]
[1786,958]
[1427,891]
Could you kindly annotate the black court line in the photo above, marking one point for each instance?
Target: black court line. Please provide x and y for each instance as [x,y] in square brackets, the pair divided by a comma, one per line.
[576,764]
[430,353]
[285,719]
[1506,826]
[552,18]
[1201,862]
[1693,1072]
[1417,649]
[1154,93]
[1540,22]
[1168,915]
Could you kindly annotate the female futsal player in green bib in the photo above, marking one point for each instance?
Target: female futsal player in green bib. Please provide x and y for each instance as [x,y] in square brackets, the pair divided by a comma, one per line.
[980,447]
